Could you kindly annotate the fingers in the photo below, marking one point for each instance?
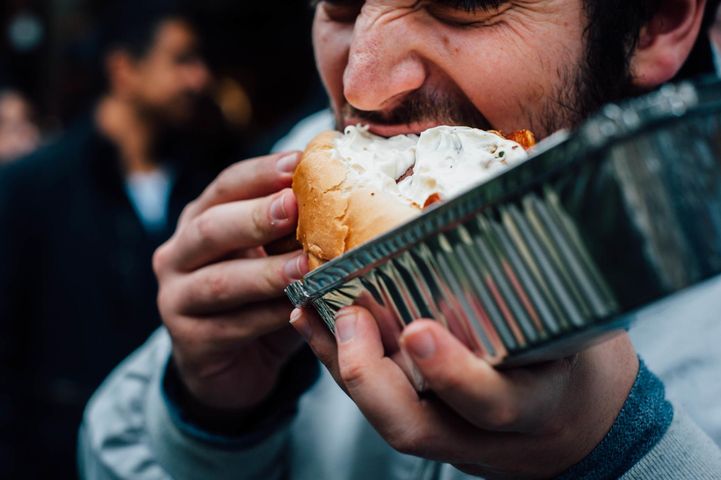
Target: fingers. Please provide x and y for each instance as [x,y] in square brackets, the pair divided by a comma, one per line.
[356,359]
[386,397]
[248,179]
[384,394]
[312,329]
[363,368]
[231,284]
[229,227]
[511,400]
[480,418]
[362,362]
[283,245]
[377,385]
[229,330]
[283,343]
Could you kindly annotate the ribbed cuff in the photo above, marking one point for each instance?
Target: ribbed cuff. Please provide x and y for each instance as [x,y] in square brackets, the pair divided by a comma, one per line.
[642,422]
[246,428]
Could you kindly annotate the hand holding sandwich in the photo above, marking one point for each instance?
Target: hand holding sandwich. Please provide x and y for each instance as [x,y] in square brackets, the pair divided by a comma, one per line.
[221,297]
[221,293]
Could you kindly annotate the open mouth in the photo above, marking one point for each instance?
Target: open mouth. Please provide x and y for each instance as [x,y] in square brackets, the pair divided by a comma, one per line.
[423,169]
[384,130]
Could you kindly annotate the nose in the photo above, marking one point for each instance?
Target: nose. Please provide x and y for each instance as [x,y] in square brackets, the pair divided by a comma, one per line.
[198,76]
[383,63]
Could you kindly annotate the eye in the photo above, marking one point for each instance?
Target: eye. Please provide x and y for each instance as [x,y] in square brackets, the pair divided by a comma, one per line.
[464,14]
[344,11]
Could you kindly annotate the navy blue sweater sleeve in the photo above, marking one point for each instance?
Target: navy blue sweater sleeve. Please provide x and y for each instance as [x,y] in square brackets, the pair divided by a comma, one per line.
[11,238]
[246,428]
[642,422]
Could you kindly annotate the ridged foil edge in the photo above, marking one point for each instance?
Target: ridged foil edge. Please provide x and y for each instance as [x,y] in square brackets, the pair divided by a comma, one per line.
[612,124]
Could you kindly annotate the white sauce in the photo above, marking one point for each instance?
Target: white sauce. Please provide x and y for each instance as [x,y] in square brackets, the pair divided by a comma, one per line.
[445,160]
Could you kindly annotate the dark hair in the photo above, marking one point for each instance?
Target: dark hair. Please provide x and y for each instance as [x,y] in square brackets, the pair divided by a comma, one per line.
[131,25]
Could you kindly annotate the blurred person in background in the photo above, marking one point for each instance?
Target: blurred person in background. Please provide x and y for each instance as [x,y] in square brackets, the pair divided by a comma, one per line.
[79,220]
[19,135]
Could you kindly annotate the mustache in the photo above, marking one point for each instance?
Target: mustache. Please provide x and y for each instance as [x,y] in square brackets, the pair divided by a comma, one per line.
[421,107]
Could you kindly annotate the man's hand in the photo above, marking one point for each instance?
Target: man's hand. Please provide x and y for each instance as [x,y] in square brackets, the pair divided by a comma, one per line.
[530,422]
[221,293]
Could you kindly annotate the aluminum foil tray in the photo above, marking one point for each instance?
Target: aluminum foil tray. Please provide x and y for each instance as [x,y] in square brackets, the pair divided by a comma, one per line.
[558,252]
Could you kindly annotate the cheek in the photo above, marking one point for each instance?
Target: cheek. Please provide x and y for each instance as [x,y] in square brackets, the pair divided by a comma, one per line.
[515,74]
[509,97]
[159,87]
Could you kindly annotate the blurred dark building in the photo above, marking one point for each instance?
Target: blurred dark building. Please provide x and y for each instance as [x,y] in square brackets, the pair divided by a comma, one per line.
[74,257]
[260,52]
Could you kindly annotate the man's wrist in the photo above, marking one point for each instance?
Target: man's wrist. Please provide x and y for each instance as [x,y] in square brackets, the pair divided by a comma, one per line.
[245,427]
[643,420]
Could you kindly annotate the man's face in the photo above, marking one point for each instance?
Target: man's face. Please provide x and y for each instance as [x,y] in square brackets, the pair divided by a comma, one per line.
[167,81]
[403,65]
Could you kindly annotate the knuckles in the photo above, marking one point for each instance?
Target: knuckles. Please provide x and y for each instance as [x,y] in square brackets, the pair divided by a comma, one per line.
[168,302]
[188,212]
[160,259]
[225,183]
[503,416]
[447,379]
[493,411]
[261,222]
[205,230]
[409,440]
[219,287]
[352,375]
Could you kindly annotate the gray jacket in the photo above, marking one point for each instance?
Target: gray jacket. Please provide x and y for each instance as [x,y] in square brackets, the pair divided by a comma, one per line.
[128,433]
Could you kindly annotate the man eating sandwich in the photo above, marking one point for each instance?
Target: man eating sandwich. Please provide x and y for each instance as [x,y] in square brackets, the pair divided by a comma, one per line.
[226,390]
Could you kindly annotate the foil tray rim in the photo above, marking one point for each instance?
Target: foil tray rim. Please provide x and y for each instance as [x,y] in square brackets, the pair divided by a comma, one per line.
[612,124]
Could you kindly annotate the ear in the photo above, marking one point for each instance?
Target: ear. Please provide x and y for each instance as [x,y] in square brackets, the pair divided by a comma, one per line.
[120,69]
[666,41]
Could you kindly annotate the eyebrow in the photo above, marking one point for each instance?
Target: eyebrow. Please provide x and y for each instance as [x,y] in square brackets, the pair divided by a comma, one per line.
[471,5]
[468,5]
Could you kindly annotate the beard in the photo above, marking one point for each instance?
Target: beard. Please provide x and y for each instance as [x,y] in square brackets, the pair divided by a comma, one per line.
[444,108]
[580,91]
[587,87]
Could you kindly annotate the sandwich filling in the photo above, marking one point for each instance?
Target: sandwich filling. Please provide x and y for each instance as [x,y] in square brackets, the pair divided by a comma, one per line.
[435,165]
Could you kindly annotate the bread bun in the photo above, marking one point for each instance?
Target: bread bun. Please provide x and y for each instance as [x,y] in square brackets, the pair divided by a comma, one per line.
[334,213]
[355,186]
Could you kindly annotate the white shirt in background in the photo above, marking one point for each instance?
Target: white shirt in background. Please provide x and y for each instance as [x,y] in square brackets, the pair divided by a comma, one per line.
[149,193]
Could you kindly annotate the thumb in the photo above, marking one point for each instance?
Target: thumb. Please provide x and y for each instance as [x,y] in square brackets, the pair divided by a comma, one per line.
[518,399]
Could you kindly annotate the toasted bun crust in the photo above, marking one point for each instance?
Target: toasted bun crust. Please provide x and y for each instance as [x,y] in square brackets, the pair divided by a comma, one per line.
[334,214]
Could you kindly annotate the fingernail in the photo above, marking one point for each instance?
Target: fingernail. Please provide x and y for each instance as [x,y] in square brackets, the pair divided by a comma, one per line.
[287,163]
[345,326]
[295,268]
[277,208]
[302,328]
[421,345]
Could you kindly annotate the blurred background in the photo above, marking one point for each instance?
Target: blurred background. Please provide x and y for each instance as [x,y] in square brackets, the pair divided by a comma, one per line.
[113,116]
[260,55]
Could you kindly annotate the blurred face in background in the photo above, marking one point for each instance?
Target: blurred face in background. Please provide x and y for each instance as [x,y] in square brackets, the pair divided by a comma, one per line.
[166,82]
[19,135]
